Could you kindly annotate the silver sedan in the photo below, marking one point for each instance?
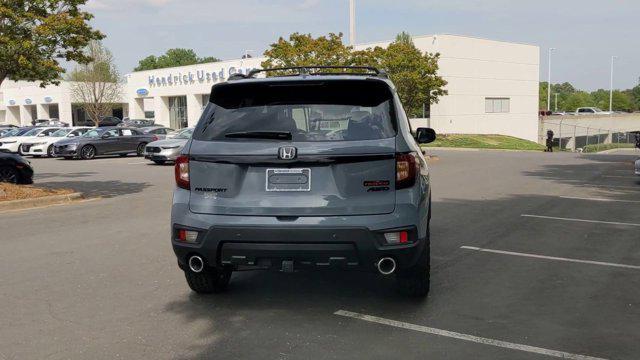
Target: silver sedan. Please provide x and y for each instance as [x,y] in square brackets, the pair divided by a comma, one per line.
[165,150]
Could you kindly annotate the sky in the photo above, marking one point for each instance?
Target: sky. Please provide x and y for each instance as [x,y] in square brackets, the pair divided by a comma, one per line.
[585,33]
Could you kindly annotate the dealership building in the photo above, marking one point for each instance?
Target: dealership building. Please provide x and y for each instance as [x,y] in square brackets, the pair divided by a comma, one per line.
[492,85]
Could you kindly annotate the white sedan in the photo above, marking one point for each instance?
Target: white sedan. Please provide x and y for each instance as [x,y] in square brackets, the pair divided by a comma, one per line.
[43,146]
[13,144]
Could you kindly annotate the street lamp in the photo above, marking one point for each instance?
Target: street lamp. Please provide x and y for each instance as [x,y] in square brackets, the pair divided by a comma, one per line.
[611,86]
[352,22]
[549,82]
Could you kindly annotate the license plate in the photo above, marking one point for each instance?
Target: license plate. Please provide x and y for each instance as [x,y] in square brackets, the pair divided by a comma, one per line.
[288,180]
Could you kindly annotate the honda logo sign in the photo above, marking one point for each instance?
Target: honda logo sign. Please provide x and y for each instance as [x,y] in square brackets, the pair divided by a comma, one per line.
[287,152]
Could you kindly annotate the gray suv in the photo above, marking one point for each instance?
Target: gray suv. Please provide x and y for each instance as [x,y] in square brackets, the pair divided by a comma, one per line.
[309,170]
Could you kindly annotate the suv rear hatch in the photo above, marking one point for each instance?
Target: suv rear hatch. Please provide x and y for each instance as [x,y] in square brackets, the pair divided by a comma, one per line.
[295,148]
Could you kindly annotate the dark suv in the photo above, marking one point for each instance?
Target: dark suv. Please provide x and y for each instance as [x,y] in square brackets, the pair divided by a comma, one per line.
[308,170]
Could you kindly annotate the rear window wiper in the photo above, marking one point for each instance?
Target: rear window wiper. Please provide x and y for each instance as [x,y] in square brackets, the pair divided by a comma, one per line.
[277,135]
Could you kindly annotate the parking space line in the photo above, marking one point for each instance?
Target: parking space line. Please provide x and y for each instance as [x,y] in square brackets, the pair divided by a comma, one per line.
[503,252]
[138,163]
[581,220]
[600,199]
[465,337]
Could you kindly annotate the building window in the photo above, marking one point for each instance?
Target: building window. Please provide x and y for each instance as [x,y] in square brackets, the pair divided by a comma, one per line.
[497,105]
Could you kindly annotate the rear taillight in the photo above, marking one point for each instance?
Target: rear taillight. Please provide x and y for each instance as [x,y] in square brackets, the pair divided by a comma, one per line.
[407,169]
[182,172]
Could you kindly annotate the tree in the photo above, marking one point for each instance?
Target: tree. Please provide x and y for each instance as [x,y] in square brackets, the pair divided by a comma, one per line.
[172,58]
[413,73]
[578,99]
[36,34]
[96,85]
[304,50]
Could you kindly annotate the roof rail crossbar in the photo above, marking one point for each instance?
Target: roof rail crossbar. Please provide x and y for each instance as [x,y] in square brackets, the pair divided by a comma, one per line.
[305,70]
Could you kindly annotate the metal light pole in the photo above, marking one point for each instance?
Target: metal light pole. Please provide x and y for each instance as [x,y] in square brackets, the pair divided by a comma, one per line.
[611,85]
[549,82]
[352,22]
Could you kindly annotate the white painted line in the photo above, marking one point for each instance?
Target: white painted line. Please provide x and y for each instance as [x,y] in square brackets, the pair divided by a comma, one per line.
[635,267]
[618,176]
[137,163]
[600,199]
[580,220]
[466,337]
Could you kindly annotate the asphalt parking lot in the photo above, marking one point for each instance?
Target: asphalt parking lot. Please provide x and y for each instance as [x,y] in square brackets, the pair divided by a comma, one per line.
[534,256]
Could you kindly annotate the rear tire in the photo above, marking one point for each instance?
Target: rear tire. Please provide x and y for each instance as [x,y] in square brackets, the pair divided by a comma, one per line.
[415,281]
[88,152]
[9,174]
[209,281]
[140,149]
[159,162]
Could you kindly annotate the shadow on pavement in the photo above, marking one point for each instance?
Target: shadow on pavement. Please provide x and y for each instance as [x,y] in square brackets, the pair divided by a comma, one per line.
[105,189]
[613,174]
[73,175]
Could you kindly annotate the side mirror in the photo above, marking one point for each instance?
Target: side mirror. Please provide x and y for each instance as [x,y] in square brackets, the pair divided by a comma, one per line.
[72,135]
[106,135]
[425,135]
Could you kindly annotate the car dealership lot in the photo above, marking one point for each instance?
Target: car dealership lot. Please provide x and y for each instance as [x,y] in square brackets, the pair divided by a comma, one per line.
[533,255]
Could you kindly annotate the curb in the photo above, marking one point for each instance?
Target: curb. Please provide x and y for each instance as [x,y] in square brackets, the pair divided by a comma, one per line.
[39,202]
[427,148]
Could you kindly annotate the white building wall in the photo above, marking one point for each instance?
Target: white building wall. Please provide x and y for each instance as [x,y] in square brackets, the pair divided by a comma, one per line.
[476,69]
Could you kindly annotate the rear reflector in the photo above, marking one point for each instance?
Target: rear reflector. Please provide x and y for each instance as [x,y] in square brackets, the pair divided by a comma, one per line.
[187,235]
[394,238]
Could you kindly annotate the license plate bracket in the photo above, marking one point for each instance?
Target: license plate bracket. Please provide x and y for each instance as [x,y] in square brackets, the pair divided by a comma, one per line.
[288,179]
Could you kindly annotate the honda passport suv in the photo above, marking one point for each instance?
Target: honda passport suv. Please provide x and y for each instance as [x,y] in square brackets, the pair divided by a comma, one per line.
[311,170]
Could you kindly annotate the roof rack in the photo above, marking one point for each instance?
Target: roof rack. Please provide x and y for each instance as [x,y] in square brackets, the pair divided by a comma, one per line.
[305,70]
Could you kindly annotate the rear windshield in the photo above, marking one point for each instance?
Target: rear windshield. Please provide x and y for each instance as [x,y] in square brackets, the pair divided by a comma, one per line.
[333,110]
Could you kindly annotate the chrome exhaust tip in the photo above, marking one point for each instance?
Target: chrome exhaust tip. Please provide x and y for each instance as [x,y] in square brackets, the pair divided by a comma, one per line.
[386,266]
[196,264]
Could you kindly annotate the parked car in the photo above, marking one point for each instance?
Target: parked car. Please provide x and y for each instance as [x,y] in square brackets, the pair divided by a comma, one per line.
[137,122]
[160,132]
[16,131]
[591,111]
[306,171]
[14,143]
[177,132]
[44,146]
[15,169]
[637,167]
[109,121]
[165,150]
[100,141]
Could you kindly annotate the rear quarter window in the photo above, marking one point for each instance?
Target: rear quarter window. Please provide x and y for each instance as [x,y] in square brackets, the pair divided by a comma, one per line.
[333,110]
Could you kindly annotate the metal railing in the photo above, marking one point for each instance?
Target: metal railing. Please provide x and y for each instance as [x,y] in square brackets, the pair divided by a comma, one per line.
[576,137]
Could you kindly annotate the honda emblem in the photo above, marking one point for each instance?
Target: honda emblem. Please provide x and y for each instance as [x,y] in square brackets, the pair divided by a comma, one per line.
[287,152]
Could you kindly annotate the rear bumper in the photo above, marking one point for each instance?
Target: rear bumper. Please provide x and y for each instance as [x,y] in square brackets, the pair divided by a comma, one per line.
[303,247]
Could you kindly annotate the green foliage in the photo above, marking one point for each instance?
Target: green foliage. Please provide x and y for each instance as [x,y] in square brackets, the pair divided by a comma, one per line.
[36,34]
[172,58]
[413,73]
[569,99]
